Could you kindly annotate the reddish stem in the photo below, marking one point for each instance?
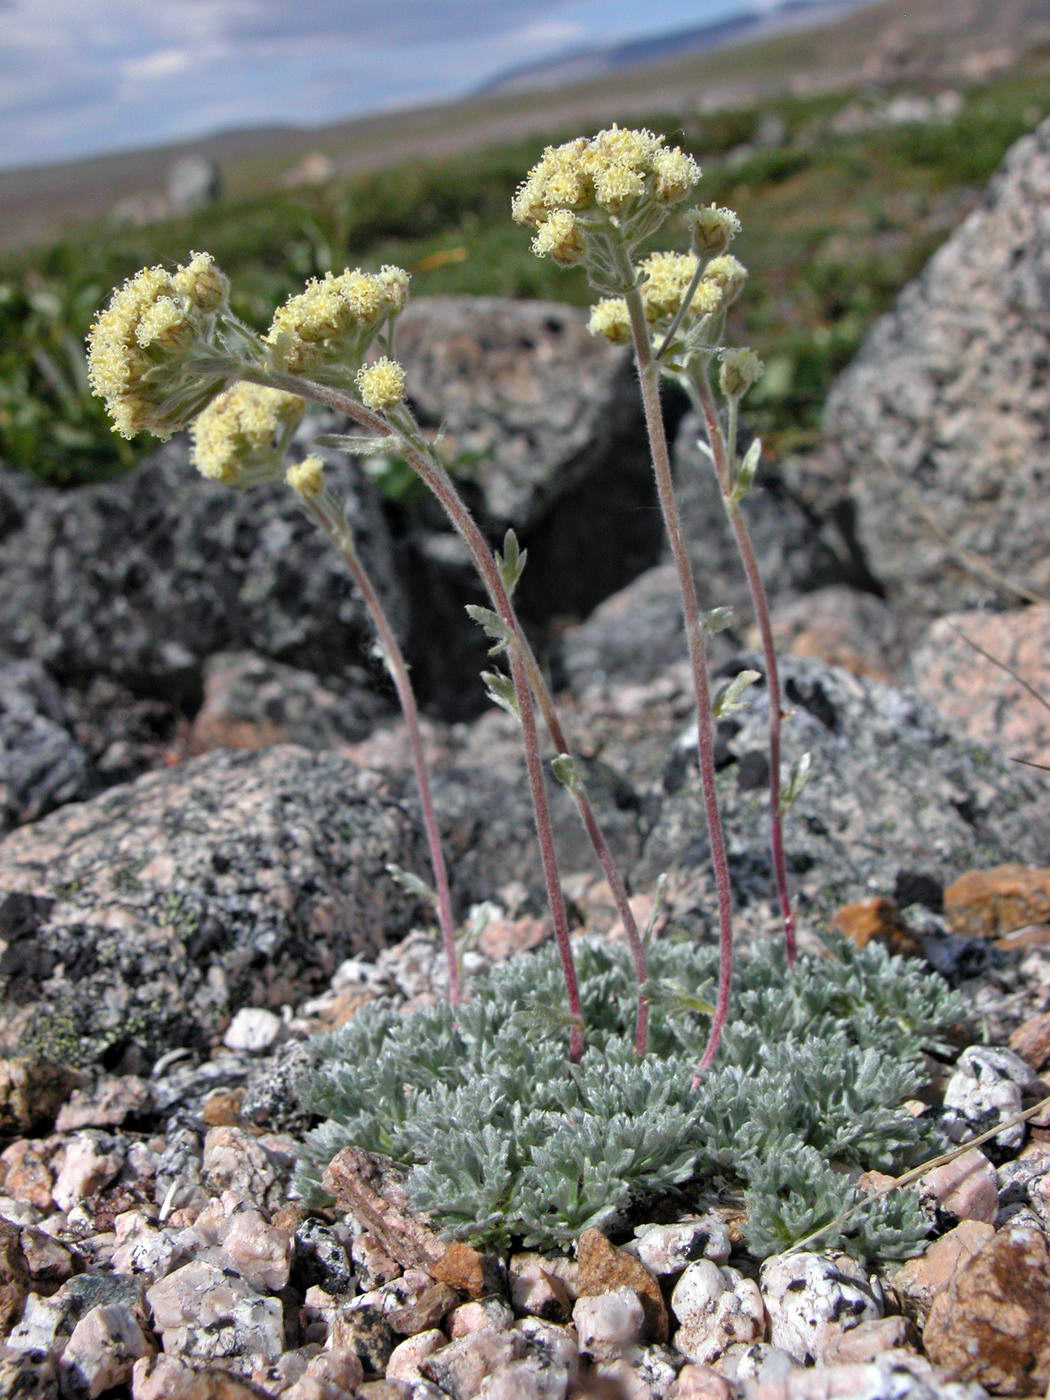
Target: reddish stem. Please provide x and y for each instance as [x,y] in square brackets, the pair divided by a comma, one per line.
[720,457]
[436,478]
[649,379]
[398,667]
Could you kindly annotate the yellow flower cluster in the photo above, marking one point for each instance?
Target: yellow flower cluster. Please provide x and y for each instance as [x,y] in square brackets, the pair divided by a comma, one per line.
[381,384]
[239,439]
[739,369]
[145,349]
[619,172]
[335,319]
[306,478]
[665,281]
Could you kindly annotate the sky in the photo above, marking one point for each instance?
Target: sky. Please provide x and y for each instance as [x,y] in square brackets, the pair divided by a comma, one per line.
[78,77]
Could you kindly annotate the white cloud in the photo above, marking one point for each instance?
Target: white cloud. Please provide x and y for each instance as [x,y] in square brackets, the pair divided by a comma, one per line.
[162,63]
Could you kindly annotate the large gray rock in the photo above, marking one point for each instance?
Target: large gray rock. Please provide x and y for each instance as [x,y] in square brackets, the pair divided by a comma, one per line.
[945,408]
[894,792]
[143,578]
[42,765]
[797,553]
[144,918]
[545,433]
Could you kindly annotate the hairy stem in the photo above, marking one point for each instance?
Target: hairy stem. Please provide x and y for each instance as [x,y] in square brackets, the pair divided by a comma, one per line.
[649,379]
[723,455]
[434,476]
[329,521]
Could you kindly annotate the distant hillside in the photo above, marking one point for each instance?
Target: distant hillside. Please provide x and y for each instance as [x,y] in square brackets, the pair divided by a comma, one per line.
[883,42]
[582,64]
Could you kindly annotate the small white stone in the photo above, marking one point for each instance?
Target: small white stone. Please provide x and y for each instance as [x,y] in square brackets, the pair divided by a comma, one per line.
[104,1346]
[260,1252]
[667,1249]
[697,1291]
[554,1348]
[812,1299]
[609,1323]
[406,1356]
[86,1168]
[713,1320]
[253,1029]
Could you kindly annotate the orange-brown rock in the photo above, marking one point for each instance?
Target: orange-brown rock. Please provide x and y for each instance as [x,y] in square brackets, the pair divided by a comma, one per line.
[991,903]
[1031,1040]
[921,1280]
[875,920]
[32,1090]
[992,1322]
[222,1109]
[603,1268]
[26,1171]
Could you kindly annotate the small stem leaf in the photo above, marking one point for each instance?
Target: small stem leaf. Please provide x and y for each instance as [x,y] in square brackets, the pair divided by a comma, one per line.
[659,894]
[797,780]
[744,475]
[492,625]
[705,448]
[717,620]
[728,698]
[564,770]
[511,563]
[500,690]
[411,883]
[355,444]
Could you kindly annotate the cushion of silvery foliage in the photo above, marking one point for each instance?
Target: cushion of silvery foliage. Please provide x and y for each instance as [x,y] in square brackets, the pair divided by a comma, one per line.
[506,1141]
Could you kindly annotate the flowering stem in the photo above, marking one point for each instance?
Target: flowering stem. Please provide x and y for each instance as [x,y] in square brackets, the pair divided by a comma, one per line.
[722,455]
[649,378]
[437,479]
[328,518]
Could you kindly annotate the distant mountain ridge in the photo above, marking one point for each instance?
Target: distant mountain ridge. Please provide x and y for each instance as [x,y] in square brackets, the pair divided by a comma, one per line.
[581,64]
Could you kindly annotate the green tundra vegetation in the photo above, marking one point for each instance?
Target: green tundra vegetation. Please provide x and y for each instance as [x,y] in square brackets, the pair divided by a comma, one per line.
[835,222]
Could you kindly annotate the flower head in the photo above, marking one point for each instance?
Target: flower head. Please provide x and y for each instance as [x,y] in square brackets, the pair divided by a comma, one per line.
[326,329]
[240,438]
[728,274]
[560,236]
[713,230]
[609,317]
[740,368]
[203,282]
[306,478]
[381,384]
[155,354]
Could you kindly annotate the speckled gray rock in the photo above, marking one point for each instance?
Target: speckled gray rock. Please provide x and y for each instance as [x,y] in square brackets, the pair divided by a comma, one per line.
[251,701]
[141,579]
[142,919]
[987,1087]
[42,765]
[633,635]
[949,393]
[892,791]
